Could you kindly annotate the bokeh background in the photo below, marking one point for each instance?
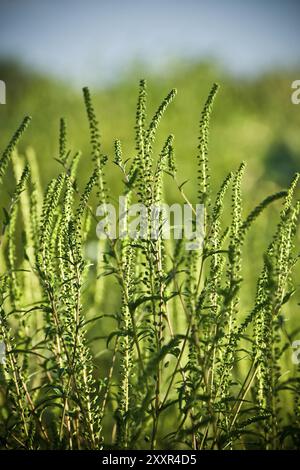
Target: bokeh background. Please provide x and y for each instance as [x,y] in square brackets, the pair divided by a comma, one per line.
[49,50]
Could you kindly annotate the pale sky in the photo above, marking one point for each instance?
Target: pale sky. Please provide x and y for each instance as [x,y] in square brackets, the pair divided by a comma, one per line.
[96,40]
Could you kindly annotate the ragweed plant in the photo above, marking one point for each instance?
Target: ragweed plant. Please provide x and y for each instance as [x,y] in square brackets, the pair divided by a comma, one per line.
[189,365]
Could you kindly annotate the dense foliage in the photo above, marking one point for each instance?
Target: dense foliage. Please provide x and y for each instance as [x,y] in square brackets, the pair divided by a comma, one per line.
[190,364]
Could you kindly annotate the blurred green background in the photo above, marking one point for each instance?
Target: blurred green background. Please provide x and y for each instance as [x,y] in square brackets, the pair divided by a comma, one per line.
[253,120]
[50,50]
